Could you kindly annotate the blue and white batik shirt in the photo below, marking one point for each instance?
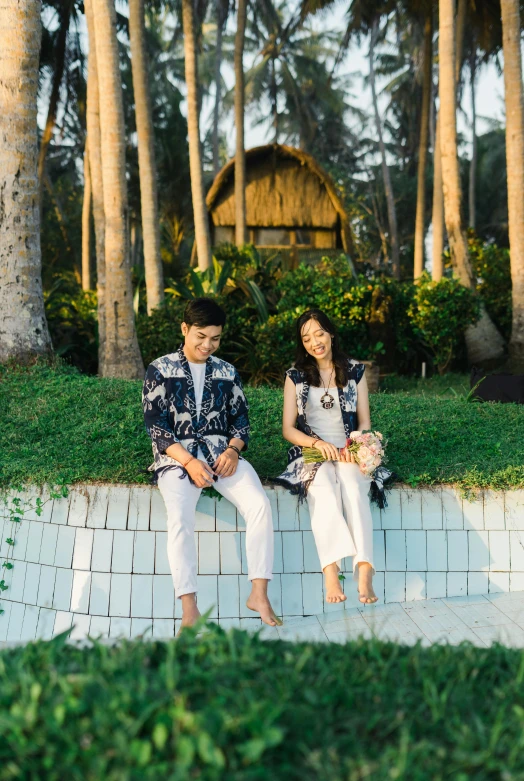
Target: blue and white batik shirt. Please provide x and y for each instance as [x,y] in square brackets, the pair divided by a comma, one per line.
[170,411]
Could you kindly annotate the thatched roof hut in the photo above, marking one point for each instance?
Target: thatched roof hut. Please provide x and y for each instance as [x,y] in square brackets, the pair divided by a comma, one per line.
[290,202]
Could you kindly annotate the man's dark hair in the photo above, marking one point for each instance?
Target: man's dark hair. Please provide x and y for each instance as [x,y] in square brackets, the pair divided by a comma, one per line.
[204,312]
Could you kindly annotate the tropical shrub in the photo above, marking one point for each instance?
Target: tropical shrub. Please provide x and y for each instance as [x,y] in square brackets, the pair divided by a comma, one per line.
[160,334]
[491,265]
[72,318]
[441,312]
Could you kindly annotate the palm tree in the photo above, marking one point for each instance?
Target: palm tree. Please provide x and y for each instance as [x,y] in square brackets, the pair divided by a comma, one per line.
[146,158]
[423,145]
[200,216]
[221,14]
[87,281]
[438,192]
[484,342]
[388,187]
[447,142]
[121,355]
[240,157]
[293,74]
[473,163]
[97,185]
[437,217]
[515,171]
[65,9]
[23,327]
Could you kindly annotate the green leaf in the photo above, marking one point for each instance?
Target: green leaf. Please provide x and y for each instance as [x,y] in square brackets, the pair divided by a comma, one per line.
[224,275]
[7,565]
[197,284]
[208,751]
[252,290]
[160,736]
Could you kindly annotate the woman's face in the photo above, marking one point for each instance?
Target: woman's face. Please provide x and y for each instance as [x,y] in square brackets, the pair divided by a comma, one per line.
[316,340]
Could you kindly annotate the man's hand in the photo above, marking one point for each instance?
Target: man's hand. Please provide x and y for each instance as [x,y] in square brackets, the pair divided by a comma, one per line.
[200,473]
[227,462]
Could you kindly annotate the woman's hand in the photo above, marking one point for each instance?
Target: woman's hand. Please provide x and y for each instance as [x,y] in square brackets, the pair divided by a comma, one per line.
[227,462]
[347,456]
[329,451]
[200,473]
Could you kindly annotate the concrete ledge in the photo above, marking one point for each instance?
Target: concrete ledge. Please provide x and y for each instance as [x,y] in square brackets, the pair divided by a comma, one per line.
[97,559]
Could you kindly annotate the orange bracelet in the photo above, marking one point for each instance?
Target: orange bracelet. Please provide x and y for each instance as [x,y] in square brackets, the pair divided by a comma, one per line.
[192,458]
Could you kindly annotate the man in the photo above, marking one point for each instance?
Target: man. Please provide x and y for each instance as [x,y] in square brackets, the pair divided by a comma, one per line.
[197,417]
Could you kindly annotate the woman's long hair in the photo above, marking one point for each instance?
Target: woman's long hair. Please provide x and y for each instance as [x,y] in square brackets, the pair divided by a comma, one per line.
[307,363]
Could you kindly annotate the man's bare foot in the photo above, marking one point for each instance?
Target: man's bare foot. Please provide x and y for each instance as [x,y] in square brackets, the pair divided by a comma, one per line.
[334,591]
[190,611]
[258,601]
[366,595]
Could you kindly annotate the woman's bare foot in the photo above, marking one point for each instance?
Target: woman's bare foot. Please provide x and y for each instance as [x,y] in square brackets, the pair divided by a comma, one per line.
[190,611]
[334,591]
[366,595]
[258,601]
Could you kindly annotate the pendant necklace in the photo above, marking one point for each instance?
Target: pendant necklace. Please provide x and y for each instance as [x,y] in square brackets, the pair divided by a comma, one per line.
[327,399]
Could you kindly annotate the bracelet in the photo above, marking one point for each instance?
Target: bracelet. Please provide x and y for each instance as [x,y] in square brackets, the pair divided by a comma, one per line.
[317,439]
[192,458]
[233,447]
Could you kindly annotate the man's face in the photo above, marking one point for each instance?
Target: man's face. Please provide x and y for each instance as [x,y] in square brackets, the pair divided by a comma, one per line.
[200,342]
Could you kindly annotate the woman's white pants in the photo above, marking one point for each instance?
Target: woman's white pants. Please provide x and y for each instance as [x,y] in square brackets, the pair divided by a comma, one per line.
[340,489]
[245,491]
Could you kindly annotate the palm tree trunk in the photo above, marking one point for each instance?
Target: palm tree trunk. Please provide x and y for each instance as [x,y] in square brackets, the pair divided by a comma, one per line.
[485,344]
[146,158]
[240,157]
[438,194]
[218,83]
[200,215]
[23,326]
[87,281]
[388,187]
[97,186]
[121,355]
[460,27]
[274,98]
[448,143]
[473,164]
[515,166]
[423,148]
[58,74]
[437,218]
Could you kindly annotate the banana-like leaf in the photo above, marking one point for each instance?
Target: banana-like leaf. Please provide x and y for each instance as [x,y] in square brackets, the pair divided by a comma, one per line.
[223,276]
[252,290]
[180,290]
[198,286]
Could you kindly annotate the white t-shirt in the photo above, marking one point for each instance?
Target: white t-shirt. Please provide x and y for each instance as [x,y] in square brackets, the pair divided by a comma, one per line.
[198,372]
[326,423]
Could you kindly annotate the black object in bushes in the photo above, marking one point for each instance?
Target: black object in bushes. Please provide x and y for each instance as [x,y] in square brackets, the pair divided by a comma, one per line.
[497,387]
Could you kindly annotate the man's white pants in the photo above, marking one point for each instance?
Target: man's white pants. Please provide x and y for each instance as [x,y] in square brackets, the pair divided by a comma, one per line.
[341,487]
[245,491]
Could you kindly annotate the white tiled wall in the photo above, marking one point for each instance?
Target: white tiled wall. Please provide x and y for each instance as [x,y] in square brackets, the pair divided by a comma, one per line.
[97,559]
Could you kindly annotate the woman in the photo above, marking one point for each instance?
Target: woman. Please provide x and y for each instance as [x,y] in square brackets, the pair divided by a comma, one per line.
[325,399]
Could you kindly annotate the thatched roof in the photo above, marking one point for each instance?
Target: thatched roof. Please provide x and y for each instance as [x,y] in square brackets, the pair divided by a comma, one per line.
[285,188]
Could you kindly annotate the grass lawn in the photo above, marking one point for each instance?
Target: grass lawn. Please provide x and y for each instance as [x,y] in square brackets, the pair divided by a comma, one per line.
[59,426]
[231,707]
